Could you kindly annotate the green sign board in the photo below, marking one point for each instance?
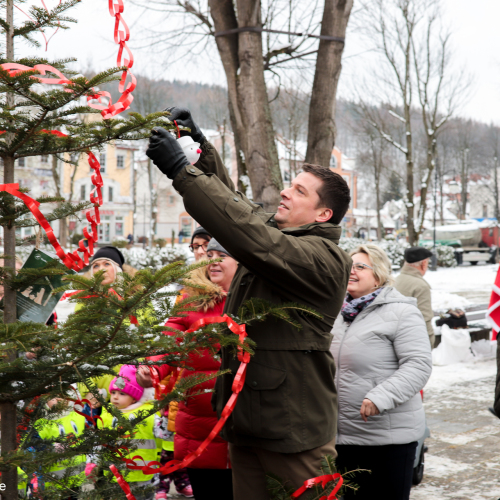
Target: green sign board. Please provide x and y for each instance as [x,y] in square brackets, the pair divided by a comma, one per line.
[37,302]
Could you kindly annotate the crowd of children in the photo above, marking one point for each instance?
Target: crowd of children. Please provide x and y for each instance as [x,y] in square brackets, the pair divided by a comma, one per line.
[153,437]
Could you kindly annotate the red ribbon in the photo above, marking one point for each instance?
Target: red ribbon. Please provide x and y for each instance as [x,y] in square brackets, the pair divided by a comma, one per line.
[324,480]
[123,484]
[70,260]
[239,380]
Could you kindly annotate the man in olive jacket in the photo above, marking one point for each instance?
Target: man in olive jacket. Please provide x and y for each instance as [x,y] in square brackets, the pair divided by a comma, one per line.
[286,415]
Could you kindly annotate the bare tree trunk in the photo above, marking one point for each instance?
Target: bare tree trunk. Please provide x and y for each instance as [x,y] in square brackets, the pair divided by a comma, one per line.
[240,160]
[464,174]
[241,56]
[154,205]
[497,194]
[8,424]
[261,155]
[321,127]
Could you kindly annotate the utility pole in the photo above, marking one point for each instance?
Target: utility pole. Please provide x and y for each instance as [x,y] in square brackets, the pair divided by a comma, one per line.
[8,424]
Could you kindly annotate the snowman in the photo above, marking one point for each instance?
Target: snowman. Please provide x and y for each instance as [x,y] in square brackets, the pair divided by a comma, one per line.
[191,149]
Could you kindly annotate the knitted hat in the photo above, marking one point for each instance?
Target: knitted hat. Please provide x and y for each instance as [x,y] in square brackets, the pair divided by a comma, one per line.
[202,233]
[109,253]
[127,383]
[215,245]
[417,254]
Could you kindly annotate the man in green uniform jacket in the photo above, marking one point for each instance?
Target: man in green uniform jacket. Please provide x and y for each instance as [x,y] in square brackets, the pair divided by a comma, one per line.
[286,415]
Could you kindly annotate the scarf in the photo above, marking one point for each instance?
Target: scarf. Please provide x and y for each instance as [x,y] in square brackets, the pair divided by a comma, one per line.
[352,307]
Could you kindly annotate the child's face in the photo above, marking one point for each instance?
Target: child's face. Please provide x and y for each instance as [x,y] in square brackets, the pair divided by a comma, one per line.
[94,403]
[121,400]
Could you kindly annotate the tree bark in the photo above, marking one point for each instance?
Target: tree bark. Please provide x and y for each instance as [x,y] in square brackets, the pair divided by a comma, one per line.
[321,126]
[464,182]
[8,424]
[261,154]
[154,205]
[241,56]
[497,194]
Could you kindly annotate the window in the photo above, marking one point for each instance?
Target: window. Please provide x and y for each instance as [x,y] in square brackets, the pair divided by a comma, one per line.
[120,161]
[333,162]
[286,175]
[485,211]
[104,229]
[119,226]
[82,192]
[186,223]
[102,161]
[21,162]
[110,194]
[73,158]
[44,159]
[171,200]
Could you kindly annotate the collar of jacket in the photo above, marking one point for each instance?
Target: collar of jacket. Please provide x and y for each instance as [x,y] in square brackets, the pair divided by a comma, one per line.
[390,295]
[325,230]
[411,271]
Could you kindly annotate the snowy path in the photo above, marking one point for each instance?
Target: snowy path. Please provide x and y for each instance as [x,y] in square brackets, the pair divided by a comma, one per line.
[472,284]
[463,460]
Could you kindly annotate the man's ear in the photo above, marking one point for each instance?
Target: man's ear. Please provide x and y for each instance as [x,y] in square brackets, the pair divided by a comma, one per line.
[325,215]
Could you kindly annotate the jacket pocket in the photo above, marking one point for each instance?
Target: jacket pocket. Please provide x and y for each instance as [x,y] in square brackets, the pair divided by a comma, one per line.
[262,409]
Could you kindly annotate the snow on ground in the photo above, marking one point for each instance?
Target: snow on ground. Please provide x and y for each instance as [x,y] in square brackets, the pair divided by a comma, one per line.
[463,460]
[461,286]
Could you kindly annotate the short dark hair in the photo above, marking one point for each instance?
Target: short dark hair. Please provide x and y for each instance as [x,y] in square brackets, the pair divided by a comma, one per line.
[334,193]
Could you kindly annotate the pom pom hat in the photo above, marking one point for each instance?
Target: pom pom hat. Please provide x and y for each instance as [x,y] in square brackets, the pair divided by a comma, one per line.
[127,383]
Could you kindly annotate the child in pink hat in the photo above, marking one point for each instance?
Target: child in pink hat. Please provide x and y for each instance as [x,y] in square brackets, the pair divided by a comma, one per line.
[131,399]
[124,389]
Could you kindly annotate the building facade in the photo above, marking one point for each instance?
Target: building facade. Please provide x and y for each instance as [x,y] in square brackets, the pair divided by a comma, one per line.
[117,171]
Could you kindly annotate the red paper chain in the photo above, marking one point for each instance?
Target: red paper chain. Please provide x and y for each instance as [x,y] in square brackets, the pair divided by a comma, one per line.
[155,467]
[121,36]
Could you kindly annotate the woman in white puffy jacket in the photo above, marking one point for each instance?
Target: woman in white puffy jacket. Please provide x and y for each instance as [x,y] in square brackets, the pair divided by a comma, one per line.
[383,358]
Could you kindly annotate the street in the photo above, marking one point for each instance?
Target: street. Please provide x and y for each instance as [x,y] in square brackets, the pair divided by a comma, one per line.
[463,460]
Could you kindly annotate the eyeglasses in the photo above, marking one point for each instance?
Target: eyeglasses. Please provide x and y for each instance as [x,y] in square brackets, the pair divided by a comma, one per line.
[361,267]
[195,248]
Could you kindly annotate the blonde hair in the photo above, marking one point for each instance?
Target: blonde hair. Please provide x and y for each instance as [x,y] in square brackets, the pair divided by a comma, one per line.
[379,261]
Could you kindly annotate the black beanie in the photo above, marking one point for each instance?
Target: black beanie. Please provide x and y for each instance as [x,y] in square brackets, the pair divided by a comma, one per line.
[199,231]
[110,253]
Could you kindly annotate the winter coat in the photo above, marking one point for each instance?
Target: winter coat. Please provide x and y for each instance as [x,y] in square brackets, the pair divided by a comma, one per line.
[143,437]
[412,284]
[384,356]
[195,417]
[288,403]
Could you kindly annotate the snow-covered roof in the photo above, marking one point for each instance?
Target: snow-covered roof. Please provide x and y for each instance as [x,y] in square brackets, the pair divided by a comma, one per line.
[469,225]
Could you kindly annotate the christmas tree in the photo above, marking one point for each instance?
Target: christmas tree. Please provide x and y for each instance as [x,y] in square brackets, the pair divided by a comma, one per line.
[44,111]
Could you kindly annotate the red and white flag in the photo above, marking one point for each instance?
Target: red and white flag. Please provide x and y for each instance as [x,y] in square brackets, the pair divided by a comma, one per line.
[493,313]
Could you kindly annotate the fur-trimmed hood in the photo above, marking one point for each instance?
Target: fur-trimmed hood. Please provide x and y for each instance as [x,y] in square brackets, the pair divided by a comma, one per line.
[210,293]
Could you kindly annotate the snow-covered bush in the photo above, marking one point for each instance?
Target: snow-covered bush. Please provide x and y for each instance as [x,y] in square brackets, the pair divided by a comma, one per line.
[445,255]
[155,258]
[120,242]
[394,249]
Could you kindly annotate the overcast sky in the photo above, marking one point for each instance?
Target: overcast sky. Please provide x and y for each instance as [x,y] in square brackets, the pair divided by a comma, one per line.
[475,27]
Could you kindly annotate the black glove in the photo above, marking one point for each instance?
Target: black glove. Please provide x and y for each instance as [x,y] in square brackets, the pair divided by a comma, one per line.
[166,152]
[184,119]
